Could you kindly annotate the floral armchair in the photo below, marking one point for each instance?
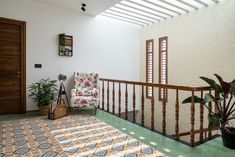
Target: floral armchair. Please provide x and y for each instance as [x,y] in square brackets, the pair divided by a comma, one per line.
[86,91]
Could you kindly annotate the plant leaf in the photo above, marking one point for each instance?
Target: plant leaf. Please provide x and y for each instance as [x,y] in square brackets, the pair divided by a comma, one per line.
[225,85]
[232,84]
[208,98]
[212,84]
[214,121]
[189,100]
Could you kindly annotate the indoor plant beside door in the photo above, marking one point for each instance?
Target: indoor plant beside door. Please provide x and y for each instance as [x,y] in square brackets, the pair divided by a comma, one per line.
[225,108]
[43,93]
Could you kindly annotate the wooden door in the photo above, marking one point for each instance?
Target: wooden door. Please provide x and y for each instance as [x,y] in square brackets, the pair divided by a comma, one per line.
[12,66]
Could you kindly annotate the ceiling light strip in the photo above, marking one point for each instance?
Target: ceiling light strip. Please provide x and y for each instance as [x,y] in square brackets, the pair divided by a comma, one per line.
[216,1]
[187,4]
[126,18]
[164,13]
[200,2]
[173,5]
[151,21]
[129,6]
[155,19]
[140,24]
[160,6]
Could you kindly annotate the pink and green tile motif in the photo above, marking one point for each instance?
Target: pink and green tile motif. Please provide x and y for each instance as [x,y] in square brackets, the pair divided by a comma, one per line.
[77,135]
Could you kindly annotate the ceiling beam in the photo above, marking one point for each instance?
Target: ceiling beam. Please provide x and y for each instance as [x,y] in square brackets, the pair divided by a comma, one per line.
[122,19]
[155,10]
[130,15]
[173,5]
[136,13]
[130,6]
[160,6]
[126,18]
[201,2]
[187,4]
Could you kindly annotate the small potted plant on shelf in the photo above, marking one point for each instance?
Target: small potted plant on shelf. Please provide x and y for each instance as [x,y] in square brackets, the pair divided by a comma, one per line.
[225,108]
[43,93]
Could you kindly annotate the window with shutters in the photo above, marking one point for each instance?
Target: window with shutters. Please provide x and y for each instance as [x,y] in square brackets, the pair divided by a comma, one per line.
[149,66]
[163,50]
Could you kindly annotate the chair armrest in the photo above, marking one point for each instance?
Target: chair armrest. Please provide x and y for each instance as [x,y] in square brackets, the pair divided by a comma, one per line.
[95,92]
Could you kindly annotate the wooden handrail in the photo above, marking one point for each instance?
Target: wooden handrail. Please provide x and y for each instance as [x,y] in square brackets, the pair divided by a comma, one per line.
[126,102]
[167,86]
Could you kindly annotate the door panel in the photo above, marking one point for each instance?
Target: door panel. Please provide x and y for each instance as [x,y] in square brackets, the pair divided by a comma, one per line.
[12,70]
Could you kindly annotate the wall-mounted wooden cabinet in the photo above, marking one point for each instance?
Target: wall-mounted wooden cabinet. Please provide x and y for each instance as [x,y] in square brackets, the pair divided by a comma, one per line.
[65,45]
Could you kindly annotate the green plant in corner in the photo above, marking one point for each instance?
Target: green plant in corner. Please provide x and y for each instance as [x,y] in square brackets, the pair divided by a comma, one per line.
[43,92]
[225,108]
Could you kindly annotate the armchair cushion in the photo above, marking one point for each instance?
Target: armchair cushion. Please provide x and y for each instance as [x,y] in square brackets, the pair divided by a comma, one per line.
[87,92]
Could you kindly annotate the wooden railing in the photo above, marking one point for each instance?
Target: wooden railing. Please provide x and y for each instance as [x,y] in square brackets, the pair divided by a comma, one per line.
[135,104]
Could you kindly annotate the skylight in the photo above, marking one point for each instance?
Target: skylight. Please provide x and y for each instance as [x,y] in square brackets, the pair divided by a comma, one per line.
[146,12]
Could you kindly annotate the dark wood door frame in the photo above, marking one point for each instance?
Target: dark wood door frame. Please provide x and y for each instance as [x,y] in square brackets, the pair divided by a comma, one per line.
[22,26]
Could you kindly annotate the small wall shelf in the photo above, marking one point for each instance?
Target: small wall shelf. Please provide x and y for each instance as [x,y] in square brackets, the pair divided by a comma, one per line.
[65,45]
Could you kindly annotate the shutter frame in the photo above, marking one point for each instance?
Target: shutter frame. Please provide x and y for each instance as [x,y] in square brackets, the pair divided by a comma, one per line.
[163,65]
[149,67]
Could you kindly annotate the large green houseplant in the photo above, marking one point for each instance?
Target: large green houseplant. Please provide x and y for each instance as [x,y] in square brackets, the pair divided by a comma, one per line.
[43,93]
[225,108]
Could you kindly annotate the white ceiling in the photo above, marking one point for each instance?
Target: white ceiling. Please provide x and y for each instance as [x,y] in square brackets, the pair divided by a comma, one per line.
[94,7]
[140,12]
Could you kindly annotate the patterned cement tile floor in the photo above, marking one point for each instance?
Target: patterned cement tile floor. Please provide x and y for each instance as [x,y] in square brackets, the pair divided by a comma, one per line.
[74,135]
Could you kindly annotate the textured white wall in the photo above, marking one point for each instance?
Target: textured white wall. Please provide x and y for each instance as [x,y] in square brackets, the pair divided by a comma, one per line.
[200,43]
[106,46]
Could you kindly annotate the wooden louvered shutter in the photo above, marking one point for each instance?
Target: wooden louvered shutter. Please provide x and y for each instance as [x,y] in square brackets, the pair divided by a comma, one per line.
[163,50]
[149,66]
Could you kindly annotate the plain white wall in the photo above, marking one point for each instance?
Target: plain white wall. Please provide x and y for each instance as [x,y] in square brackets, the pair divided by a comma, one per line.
[103,45]
[200,43]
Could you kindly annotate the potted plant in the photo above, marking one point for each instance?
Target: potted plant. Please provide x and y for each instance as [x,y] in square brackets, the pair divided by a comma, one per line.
[225,108]
[43,93]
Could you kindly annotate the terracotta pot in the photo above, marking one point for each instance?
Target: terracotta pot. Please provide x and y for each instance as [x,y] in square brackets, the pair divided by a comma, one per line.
[228,137]
[43,110]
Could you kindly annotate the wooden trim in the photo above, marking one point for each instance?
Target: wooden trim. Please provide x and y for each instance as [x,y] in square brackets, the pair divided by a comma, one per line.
[147,67]
[159,66]
[168,86]
[22,25]
[205,130]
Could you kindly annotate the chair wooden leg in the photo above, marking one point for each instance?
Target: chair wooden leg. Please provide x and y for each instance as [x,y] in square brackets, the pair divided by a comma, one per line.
[95,110]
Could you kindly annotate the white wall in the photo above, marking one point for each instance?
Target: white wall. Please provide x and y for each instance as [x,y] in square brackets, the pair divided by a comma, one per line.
[103,45]
[200,43]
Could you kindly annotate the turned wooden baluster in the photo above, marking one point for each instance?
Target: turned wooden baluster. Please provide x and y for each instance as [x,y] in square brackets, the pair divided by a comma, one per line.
[201,118]
[152,111]
[113,98]
[164,112]
[126,103]
[102,95]
[192,134]
[108,96]
[119,99]
[177,115]
[210,107]
[142,106]
[134,103]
